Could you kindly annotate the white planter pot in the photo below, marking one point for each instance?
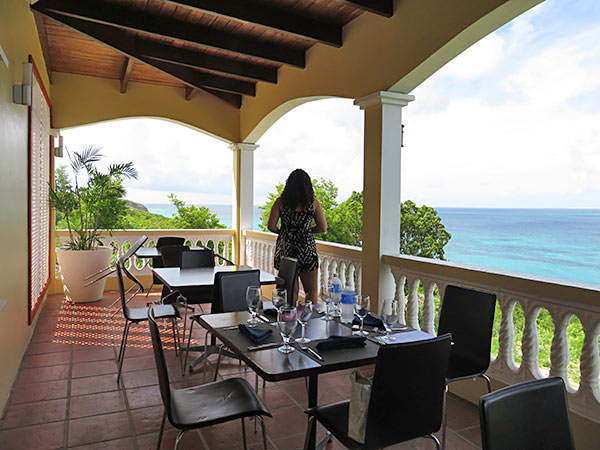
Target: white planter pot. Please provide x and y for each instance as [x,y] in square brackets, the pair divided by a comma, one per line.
[75,265]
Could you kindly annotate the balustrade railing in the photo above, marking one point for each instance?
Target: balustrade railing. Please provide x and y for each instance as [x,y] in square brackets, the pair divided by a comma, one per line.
[343,259]
[416,280]
[219,239]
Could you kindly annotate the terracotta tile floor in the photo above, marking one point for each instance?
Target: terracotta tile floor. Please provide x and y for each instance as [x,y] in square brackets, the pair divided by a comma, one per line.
[66,396]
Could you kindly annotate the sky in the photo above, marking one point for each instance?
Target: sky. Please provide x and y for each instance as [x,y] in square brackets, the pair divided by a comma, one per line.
[514,121]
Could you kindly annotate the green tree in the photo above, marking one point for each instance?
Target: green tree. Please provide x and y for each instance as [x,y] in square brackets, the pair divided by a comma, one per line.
[422,232]
[345,227]
[193,216]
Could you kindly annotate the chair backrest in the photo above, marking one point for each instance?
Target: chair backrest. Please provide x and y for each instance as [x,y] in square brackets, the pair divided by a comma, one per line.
[230,290]
[161,365]
[408,390]
[469,316]
[169,240]
[120,269]
[288,270]
[198,258]
[157,261]
[171,255]
[533,415]
[134,248]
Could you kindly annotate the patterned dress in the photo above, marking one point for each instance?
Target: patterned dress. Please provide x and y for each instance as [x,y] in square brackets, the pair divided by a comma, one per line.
[296,239]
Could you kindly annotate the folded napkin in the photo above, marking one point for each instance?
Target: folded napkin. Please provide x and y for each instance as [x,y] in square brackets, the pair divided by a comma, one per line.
[270,312]
[256,335]
[370,321]
[339,342]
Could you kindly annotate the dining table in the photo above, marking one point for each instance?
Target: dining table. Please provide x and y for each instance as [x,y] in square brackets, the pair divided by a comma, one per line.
[176,278]
[272,365]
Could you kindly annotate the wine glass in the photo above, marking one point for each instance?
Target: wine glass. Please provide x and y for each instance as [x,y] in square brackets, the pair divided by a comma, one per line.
[327,300]
[287,321]
[304,312]
[279,297]
[361,309]
[389,316]
[254,300]
[335,300]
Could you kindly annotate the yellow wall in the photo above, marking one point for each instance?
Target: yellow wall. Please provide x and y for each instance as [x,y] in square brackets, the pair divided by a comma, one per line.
[18,38]
[80,100]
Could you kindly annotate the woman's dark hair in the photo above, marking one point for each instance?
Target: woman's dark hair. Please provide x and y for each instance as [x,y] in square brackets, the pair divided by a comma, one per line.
[298,190]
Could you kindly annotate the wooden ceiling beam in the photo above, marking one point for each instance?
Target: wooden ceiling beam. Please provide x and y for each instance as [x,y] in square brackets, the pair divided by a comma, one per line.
[123,43]
[384,8]
[267,16]
[43,36]
[192,58]
[188,93]
[126,73]
[126,18]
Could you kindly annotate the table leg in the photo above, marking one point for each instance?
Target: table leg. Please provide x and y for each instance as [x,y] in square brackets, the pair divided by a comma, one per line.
[313,392]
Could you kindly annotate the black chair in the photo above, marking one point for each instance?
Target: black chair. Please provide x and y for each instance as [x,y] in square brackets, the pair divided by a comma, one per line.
[229,295]
[288,271]
[157,260]
[208,404]
[407,397]
[529,416]
[469,316]
[171,257]
[137,315]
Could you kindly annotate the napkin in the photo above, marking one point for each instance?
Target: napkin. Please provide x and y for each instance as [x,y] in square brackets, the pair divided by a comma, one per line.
[256,335]
[339,342]
[370,321]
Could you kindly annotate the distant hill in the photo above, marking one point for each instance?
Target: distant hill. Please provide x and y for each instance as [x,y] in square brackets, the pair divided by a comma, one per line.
[135,205]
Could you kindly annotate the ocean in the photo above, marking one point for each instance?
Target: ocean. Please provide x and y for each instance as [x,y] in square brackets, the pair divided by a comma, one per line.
[557,243]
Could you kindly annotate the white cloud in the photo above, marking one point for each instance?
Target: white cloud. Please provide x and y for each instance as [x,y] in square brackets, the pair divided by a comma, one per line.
[478,60]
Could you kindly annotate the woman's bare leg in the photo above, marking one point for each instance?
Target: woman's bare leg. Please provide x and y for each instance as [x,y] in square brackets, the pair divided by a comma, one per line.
[310,283]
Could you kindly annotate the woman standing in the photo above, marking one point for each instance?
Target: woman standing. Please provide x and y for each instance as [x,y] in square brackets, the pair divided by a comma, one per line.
[297,207]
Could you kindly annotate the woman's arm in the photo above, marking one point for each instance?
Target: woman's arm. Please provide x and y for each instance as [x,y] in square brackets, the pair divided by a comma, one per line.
[320,222]
[274,216]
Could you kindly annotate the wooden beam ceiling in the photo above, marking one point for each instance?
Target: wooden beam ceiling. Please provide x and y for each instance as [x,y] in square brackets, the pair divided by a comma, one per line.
[270,17]
[384,8]
[220,47]
[167,27]
[126,73]
[125,44]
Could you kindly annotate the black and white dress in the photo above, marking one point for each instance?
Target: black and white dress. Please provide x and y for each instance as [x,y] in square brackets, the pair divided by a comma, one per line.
[296,239]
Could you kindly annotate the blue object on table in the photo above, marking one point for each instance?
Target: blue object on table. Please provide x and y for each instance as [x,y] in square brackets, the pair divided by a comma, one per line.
[370,321]
[338,342]
[256,335]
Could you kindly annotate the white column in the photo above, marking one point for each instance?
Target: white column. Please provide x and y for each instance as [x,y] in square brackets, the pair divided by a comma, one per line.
[243,194]
[381,201]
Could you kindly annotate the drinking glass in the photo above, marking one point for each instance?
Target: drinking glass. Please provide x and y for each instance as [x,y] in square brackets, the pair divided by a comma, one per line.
[254,300]
[327,300]
[361,309]
[279,297]
[335,300]
[304,313]
[287,321]
[389,316]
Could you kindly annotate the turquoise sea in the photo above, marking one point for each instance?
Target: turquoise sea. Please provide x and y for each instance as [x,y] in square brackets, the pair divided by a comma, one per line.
[557,243]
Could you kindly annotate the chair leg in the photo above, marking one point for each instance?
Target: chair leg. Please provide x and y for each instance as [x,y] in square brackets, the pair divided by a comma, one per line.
[444,418]
[187,349]
[255,390]
[162,428]
[148,291]
[435,439]
[122,350]
[175,336]
[487,380]
[179,436]
[244,434]
[264,430]
[311,424]
[218,363]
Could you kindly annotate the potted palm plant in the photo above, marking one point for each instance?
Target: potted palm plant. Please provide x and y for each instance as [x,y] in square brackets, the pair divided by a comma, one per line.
[88,204]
